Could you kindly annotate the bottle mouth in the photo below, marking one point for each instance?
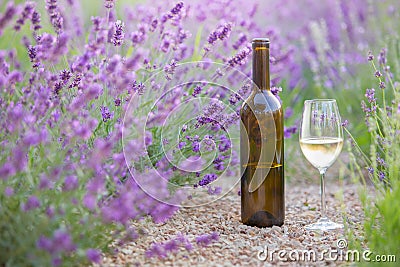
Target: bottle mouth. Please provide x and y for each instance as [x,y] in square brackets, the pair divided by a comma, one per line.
[260,42]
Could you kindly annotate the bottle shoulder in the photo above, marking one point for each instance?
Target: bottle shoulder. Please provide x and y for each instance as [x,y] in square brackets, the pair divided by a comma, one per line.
[262,101]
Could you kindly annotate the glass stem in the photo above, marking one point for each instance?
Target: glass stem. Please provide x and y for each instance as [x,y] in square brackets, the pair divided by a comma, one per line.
[323,203]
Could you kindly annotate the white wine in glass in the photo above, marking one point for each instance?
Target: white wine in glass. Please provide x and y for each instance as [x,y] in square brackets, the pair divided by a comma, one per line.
[321,140]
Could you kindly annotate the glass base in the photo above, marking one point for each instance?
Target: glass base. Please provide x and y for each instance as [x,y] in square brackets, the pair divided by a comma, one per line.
[323,224]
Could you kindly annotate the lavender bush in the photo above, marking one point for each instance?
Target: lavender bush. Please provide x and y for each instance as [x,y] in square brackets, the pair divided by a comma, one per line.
[77,91]
[382,117]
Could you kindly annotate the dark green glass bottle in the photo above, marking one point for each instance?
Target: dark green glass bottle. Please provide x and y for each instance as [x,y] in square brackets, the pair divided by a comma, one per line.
[261,143]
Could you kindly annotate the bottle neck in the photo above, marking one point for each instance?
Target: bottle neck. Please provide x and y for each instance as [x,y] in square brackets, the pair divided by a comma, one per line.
[261,67]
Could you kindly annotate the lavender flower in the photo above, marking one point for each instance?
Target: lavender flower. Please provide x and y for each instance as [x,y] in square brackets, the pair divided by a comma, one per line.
[119,35]
[169,70]
[117,102]
[214,191]
[181,145]
[36,20]
[222,32]
[160,250]
[345,123]
[370,95]
[239,58]
[109,4]
[276,90]
[382,57]
[138,87]
[8,191]
[155,250]
[70,183]
[106,114]
[242,39]
[207,179]
[177,8]
[26,14]
[289,131]
[380,161]
[382,85]
[224,144]
[370,56]
[381,176]
[196,91]
[32,203]
[205,240]
[93,255]
[378,74]
[10,12]
[55,16]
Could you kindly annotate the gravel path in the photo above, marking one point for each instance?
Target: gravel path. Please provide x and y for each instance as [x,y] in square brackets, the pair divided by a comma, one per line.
[240,245]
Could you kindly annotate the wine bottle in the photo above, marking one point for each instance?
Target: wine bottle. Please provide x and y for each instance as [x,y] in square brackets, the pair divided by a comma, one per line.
[261,147]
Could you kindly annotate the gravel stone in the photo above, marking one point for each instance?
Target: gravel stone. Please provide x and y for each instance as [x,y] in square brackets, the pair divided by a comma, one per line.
[240,245]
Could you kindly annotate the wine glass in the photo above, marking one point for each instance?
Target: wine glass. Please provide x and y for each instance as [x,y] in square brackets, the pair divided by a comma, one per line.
[321,140]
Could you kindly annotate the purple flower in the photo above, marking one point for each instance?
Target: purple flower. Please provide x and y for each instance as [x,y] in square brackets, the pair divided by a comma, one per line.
[370,95]
[239,58]
[32,203]
[370,170]
[171,246]
[205,240]
[109,4]
[55,16]
[196,146]
[90,201]
[177,8]
[93,255]
[214,191]
[276,90]
[26,14]
[196,91]
[370,56]
[242,39]
[62,241]
[288,112]
[380,161]
[224,144]
[45,243]
[345,123]
[65,75]
[10,12]
[169,70]
[381,176]
[156,250]
[106,114]
[184,128]
[222,32]
[8,191]
[119,35]
[208,178]
[70,183]
[382,85]
[36,20]
[378,74]
[289,131]
[181,145]
[148,139]
[219,163]
[138,87]
[382,57]
[117,102]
